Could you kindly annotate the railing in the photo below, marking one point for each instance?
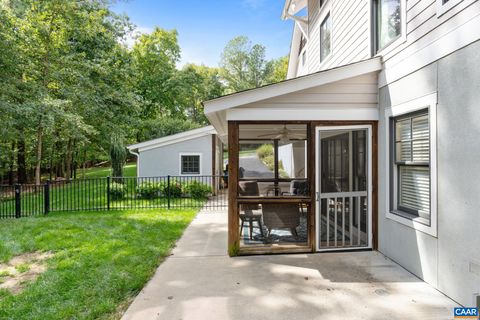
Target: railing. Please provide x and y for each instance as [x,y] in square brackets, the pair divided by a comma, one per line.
[169,192]
[343,219]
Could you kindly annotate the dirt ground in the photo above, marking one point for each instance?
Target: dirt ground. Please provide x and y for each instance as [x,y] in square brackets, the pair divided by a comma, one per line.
[22,269]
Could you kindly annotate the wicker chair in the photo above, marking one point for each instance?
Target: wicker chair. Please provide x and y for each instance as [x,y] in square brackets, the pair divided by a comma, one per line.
[249,188]
[281,216]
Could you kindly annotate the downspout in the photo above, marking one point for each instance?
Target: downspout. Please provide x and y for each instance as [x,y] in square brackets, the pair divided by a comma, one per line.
[136,154]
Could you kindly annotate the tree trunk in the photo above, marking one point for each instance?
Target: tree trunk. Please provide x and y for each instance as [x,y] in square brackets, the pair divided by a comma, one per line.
[84,163]
[21,166]
[68,160]
[12,163]
[38,166]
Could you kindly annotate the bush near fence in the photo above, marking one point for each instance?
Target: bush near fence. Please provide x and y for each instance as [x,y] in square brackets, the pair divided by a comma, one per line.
[110,193]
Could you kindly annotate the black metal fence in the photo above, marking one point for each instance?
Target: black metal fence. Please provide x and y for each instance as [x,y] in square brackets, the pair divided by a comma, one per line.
[169,192]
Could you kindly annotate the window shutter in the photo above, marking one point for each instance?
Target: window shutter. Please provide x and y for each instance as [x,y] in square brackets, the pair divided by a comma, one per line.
[414,190]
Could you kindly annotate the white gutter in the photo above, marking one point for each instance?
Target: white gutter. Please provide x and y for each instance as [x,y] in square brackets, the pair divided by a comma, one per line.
[138,160]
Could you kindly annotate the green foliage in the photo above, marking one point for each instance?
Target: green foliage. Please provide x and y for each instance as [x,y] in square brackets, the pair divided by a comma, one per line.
[265,150]
[118,156]
[280,69]
[117,190]
[197,190]
[175,188]
[161,127]
[100,260]
[150,190]
[243,65]
[266,154]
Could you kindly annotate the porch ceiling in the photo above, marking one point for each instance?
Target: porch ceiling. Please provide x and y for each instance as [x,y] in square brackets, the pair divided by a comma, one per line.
[345,93]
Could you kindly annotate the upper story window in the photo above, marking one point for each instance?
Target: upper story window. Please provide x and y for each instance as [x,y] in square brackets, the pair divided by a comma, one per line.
[388,22]
[326,37]
[321,3]
[303,43]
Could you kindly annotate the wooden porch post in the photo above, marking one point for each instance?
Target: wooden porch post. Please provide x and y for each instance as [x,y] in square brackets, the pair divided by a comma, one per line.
[233,156]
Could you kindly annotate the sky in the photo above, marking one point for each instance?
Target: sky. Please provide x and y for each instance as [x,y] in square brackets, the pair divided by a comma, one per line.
[205,26]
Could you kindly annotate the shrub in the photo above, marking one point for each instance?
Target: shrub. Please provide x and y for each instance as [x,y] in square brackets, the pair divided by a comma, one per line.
[117,190]
[264,151]
[197,190]
[175,188]
[149,190]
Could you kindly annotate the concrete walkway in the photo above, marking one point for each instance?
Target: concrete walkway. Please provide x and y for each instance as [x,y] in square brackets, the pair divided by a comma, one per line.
[199,281]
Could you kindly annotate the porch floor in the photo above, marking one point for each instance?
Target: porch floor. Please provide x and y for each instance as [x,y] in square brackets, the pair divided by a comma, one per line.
[199,281]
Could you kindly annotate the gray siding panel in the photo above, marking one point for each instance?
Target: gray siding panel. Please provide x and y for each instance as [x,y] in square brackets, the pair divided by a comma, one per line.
[444,261]
[164,160]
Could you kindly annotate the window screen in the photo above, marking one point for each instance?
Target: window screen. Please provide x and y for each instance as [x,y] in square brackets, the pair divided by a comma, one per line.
[190,164]
[412,164]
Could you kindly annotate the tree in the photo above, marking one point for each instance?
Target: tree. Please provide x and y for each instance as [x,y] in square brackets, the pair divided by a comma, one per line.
[280,69]
[155,56]
[195,85]
[118,155]
[243,65]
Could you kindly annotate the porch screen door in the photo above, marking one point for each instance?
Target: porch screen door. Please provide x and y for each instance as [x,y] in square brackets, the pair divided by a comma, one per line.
[343,188]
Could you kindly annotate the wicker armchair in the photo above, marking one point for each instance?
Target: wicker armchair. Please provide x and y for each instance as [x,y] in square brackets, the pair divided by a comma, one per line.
[281,216]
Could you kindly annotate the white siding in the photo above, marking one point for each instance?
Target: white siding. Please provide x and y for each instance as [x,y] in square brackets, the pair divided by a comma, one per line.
[340,100]
[350,33]
[425,27]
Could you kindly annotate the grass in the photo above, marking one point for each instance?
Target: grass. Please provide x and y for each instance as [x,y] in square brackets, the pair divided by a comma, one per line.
[101,260]
[129,170]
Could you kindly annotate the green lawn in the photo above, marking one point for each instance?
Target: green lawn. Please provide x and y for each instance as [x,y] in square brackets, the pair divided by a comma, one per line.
[130,170]
[101,260]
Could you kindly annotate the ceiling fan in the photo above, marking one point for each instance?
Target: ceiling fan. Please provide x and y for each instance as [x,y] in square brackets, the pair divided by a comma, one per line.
[284,135]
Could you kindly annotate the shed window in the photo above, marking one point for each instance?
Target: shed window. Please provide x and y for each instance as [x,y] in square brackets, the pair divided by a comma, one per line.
[190,164]
[412,164]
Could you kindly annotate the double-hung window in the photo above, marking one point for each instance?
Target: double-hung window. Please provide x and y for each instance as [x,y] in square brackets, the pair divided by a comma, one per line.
[411,165]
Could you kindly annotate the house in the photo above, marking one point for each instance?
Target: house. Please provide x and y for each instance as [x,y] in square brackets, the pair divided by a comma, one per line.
[197,152]
[383,95]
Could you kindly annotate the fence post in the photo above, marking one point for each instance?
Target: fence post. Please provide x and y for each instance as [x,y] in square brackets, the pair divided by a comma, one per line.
[46,194]
[168,191]
[108,193]
[18,202]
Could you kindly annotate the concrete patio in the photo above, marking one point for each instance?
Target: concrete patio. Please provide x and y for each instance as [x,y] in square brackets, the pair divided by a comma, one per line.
[199,281]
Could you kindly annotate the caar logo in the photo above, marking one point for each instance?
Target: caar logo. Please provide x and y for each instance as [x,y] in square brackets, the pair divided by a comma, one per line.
[465,313]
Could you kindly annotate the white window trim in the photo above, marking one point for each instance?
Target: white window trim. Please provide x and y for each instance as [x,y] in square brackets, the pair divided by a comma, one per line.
[189,154]
[443,8]
[325,10]
[403,35]
[427,102]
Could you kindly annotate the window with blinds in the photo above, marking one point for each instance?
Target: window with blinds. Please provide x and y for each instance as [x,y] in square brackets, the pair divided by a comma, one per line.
[412,164]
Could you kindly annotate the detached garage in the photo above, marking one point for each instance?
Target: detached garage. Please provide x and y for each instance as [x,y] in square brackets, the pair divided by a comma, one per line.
[197,152]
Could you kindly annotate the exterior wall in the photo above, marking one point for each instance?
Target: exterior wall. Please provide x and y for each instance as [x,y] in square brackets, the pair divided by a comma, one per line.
[451,260]
[350,33]
[429,35]
[165,160]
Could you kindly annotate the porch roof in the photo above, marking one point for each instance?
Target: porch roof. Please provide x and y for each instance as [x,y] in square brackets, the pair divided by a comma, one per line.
[348,92]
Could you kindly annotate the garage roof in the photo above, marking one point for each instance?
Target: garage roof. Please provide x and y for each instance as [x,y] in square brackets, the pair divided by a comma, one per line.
[175,138]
